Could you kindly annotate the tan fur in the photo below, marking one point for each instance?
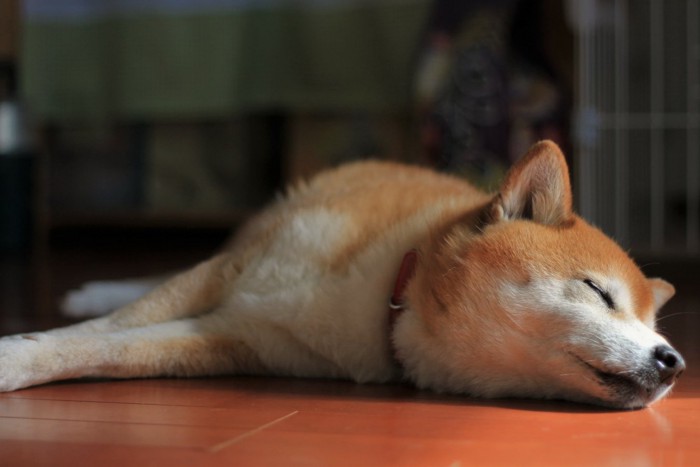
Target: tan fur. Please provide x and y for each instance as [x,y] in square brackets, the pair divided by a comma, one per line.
[513,295]
[376,196]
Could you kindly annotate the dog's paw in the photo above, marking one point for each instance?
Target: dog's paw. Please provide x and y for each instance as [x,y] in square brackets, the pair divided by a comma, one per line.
[100,297]
[21,362]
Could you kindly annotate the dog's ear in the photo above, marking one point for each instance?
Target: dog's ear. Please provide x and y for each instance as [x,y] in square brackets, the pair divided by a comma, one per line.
[537,188]
[662,291]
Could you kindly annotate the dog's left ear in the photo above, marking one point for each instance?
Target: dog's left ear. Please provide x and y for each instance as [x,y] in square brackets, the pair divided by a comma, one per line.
[537,187]
[662,291]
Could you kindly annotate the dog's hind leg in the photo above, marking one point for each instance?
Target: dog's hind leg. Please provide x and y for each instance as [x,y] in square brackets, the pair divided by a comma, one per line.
[187,347]
[187,294]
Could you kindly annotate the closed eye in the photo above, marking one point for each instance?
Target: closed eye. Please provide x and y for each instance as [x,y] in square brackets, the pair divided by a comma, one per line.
[601,292]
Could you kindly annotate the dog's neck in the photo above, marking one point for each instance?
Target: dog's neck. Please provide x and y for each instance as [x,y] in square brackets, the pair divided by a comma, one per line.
[397,302]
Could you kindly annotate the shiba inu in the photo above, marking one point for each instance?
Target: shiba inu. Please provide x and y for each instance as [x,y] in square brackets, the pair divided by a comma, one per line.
[380,272]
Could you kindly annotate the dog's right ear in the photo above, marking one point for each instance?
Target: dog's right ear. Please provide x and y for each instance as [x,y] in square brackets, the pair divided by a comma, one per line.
[662,292]
[537,188]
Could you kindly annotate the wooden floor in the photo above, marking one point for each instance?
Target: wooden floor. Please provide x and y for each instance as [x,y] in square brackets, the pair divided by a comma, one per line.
[271,421]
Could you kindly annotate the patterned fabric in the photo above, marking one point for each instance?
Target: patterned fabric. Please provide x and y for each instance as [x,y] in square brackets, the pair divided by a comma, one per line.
[481,105]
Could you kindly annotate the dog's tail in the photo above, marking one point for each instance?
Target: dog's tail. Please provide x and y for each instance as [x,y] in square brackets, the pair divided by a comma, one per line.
[191,293]
[97,298]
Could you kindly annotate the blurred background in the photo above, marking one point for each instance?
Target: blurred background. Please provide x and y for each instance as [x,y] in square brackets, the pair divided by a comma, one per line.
[131,129]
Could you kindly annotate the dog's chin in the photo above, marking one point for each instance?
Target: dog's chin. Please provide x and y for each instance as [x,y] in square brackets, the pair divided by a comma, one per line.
[630,398]
[632,392]
[625,390]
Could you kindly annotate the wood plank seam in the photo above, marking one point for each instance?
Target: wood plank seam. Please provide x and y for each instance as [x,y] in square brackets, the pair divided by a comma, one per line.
[247,434]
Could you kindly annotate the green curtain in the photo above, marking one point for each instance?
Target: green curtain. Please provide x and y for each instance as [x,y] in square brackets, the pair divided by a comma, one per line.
[294,56]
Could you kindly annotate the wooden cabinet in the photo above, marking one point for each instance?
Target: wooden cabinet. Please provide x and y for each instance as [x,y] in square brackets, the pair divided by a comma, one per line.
[9,29]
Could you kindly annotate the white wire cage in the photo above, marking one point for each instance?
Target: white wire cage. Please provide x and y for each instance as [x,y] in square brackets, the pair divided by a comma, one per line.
[637,123]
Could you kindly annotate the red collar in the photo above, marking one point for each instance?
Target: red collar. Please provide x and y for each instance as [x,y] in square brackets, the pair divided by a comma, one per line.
[396,304]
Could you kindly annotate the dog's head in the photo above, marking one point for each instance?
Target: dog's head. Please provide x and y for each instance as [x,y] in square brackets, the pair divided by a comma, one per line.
[532,301]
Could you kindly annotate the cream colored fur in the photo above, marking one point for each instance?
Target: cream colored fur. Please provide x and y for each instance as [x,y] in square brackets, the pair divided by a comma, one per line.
[508,297]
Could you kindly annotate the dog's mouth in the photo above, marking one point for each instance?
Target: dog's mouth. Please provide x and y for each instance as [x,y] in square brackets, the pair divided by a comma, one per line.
[631,389]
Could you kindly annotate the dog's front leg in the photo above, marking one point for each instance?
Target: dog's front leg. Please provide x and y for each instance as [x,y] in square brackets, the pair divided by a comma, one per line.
[189,347]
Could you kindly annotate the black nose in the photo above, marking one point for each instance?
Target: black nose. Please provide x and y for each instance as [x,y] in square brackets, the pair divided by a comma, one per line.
[669,363]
